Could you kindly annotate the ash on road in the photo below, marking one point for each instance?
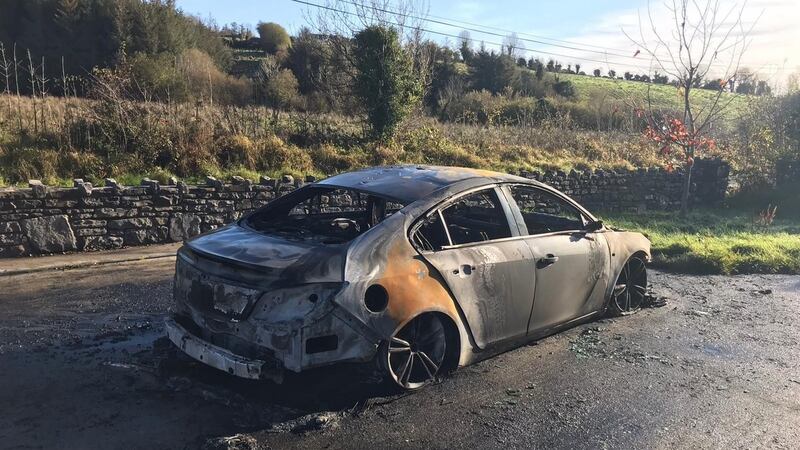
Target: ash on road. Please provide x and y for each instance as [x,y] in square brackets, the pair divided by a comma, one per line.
[83,364]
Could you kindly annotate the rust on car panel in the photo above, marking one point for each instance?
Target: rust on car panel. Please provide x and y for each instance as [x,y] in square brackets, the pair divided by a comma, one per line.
[412,286]
[387,258]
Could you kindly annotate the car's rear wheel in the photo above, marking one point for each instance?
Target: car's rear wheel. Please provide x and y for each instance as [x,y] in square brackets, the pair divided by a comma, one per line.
[417,353]
[630,287]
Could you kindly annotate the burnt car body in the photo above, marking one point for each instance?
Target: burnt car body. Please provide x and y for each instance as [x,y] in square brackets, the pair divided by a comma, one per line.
[421,268]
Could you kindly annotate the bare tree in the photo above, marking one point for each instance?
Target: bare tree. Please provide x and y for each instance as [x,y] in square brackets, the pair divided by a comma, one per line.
[513,46]
[703,37]
[347,17]
[6,68]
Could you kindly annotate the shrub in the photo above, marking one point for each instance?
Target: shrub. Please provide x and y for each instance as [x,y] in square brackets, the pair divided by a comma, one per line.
[237,150]
[155,77]
[209,83]
[161,175]
[285,157]
[24,163]
[274,38]
[428,145]
[524,111]
[281,90]
[565,88]
[473,107]
[330,159]
[72,164]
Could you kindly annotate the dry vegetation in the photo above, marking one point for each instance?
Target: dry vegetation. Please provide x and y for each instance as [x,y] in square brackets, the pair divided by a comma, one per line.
[57,139]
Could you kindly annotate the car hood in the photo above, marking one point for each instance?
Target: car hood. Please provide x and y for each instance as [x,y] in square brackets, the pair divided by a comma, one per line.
[271,259]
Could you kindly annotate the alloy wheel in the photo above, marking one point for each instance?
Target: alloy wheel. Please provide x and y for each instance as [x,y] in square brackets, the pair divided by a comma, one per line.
[630,288]
[416,353]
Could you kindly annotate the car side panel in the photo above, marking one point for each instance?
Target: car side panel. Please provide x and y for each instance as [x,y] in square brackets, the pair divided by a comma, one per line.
[574,285]
[622,245]
[493,283]
[384,256]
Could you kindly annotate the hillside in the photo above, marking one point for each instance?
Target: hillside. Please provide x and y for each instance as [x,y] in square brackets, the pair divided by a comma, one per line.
[663,96]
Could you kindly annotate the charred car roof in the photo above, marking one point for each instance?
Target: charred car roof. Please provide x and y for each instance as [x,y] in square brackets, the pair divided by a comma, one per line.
[409,183]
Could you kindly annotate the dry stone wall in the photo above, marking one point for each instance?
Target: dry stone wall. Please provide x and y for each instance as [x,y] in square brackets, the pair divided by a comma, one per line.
[41,220]
[640,190]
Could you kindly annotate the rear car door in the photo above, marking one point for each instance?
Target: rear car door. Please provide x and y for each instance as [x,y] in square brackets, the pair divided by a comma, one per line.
[570,262]
[478,252]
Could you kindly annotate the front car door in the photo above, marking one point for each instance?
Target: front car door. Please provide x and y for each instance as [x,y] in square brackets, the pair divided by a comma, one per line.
[477,249]
[571,264]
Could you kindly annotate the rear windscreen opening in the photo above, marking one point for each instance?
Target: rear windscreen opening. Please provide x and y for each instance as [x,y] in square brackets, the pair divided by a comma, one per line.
[326,215]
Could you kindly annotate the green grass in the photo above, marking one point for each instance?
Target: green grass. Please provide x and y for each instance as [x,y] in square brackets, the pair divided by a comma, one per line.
[716,242]
[662,96]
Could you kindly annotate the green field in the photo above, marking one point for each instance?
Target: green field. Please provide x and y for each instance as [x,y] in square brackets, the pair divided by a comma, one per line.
[663,96]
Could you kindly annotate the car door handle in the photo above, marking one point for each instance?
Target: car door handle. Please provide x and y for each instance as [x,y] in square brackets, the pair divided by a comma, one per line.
[547,260]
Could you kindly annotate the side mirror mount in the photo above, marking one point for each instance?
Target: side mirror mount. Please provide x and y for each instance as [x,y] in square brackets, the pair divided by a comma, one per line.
[595,225]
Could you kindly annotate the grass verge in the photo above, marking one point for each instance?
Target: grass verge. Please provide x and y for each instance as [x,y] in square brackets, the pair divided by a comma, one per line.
[716,242]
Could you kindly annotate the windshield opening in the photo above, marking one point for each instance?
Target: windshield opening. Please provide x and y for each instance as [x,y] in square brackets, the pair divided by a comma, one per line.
[326,215]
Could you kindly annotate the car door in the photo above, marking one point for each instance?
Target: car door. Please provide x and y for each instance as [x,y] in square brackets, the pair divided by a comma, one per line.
[570,262]
[479,254]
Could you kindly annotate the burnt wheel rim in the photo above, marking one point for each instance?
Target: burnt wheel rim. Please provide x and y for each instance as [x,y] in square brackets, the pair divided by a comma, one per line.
[416,352]
[631,286]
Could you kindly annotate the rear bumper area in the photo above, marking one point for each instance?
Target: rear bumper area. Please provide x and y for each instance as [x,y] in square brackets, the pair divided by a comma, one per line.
[221,358]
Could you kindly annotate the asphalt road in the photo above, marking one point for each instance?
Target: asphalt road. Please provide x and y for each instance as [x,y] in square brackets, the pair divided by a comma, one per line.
[83,364]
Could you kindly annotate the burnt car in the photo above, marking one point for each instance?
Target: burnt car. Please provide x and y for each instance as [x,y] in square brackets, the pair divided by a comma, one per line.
[422,269]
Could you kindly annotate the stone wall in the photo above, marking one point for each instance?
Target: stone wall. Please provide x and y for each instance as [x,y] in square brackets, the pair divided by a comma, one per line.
[40,220]
[642,189]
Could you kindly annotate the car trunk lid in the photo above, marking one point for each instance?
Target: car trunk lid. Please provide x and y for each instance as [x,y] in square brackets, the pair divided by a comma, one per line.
[225,272]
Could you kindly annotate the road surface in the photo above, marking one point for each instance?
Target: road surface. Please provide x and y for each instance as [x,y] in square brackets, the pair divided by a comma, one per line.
[83,364]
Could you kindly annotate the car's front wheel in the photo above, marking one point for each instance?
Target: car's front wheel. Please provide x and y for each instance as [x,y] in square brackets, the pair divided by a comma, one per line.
[630,288]
[417,353]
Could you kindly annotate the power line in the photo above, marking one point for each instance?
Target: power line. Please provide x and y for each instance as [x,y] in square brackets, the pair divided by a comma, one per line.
[534,51]
[446,22]
[441,21]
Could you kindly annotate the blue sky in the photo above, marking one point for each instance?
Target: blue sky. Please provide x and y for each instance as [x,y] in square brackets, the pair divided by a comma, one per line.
[549,17]
[774,49]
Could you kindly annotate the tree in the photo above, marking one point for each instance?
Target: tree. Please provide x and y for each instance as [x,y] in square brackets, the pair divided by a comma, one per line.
[385,81]
[448,75]
[596,72]
[528,85]
[539,70]
[492,71]
[701,36]
[762,88]
[274,38]
[577,68]
[612,74]
[513,46]
[281,90]
[465,46]
[85,34]
[628,76]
